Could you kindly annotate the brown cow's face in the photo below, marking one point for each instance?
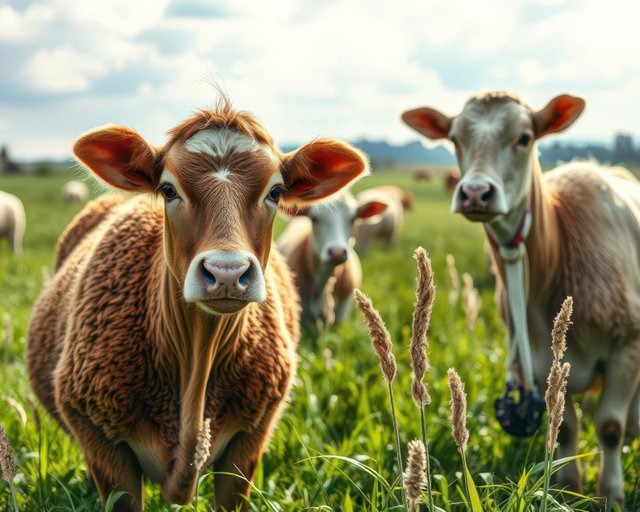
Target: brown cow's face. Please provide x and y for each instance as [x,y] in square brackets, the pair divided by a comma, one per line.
[221,179]
[221,190]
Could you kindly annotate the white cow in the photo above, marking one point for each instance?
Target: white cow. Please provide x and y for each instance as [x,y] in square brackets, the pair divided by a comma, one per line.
[13,221]
[388,225]
[75,192]
[317,245]
[579,225]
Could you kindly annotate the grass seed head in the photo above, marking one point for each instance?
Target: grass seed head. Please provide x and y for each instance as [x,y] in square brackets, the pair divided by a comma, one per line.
[454,280]
[203,445]
[470,300]
[7,463]
[458,418]
[425,294]
[555,400]
[414,479]
[560,327]
[380,338]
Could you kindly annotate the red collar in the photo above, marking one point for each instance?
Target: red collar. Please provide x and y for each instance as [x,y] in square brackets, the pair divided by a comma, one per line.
[521,234]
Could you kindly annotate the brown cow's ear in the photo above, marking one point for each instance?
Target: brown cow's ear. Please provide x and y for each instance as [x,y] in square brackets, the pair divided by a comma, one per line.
[370,209]
[429,122]
[319,169]
[559,114]
[119,156]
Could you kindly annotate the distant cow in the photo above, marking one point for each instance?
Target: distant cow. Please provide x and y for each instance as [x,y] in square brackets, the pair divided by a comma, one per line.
[75,192]
[422,175]
[166,340]
[13,221]
[451,179]
[577,229]
[388,225]
[317,246]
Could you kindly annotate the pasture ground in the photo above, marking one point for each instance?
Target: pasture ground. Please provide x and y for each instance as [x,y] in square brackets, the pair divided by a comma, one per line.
[333,449]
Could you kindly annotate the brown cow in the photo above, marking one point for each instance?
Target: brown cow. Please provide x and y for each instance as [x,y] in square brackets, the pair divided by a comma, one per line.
[580,227]
[172,317]
[451,179]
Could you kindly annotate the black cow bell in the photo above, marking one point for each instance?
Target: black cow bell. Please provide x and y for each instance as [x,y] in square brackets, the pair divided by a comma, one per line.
[519,412]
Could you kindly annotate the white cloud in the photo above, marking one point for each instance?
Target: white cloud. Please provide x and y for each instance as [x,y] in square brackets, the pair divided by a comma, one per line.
[62,69]
[344,68]
[125,18]
[18,26]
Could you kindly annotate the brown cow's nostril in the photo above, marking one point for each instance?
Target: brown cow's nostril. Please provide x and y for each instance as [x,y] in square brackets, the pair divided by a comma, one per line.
[209,279]
[486,197]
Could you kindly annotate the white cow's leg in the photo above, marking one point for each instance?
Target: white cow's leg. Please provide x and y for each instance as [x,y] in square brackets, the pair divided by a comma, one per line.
[570,476]
[633,419]
[620,383]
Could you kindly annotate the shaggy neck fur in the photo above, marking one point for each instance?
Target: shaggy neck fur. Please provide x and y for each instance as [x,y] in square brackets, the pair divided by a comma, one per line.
[191,344]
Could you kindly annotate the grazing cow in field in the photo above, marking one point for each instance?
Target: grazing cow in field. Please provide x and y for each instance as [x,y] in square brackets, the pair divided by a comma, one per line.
[75,192]
[579,225]
[451,179]
[13,221]
[317,247]
[170,318]
[386,226]
[422,175]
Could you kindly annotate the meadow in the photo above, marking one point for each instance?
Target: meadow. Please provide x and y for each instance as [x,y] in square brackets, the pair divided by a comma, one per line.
[334,447]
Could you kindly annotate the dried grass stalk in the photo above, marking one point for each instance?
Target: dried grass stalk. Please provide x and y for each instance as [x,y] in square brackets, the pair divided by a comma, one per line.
[458,418]
[414,481]
[17,409]
[7,462]
[380,338]
[559,374]
[561,325]
[470,300]
[203,445]
[454,280]
[425,294]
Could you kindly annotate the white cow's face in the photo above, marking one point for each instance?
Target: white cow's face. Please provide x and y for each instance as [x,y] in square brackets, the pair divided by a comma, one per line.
[494,143]
[332,226]
[494,137]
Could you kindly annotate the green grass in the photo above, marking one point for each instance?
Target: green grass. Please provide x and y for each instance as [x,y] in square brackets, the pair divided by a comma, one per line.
[334,447]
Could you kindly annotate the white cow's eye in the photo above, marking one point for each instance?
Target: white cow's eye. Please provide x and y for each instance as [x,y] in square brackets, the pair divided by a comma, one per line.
[168,191]
[524,140]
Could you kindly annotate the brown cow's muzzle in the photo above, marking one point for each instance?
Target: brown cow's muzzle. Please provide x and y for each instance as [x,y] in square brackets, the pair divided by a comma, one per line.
[224,281]
[478,199]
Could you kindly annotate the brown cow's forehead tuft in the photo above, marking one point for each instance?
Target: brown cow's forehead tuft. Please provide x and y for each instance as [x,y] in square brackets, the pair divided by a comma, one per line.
[223,117]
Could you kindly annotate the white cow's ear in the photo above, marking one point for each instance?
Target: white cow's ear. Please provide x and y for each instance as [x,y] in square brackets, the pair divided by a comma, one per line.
[429,122]
[370,209]
[119,156]
[557,115]
[319,169]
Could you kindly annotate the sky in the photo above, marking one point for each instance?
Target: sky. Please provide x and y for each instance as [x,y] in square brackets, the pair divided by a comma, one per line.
[306,69]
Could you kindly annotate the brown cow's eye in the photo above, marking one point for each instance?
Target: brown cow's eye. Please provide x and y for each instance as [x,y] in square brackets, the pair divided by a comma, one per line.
[168,191]
[524,140]
[275,193]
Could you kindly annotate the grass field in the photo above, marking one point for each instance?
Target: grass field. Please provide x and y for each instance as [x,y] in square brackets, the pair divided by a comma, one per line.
[333,449]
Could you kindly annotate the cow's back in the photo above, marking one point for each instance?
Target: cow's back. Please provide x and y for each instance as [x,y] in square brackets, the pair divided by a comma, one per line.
[85,222]
[599,213]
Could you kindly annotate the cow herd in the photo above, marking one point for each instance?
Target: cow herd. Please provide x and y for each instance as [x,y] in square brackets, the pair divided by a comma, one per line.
[173,316]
